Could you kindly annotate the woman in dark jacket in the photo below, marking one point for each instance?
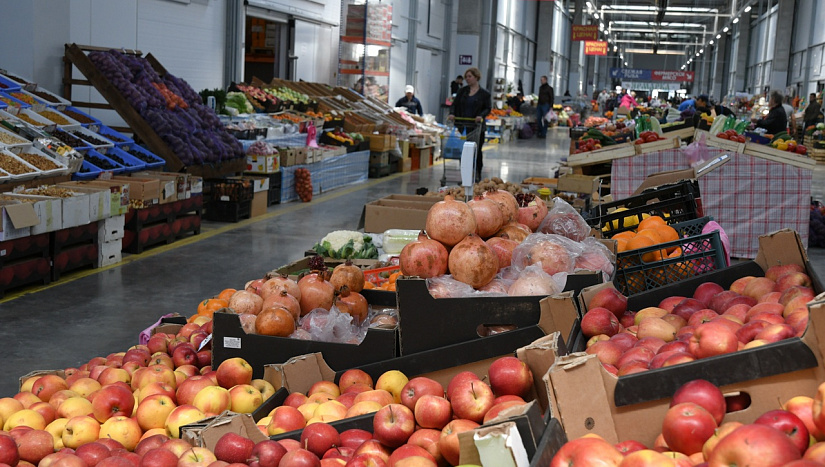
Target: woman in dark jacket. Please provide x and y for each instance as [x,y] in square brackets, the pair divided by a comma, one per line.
[473,101]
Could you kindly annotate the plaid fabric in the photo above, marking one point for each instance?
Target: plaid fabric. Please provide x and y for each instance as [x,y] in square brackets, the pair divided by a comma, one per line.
[335,172]
[749,196]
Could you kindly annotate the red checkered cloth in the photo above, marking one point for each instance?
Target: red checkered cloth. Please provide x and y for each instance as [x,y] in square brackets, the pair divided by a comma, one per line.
[748,196]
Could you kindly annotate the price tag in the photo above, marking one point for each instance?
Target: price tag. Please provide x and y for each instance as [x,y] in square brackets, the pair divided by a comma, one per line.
[30,87]
[204,342]
[232,342]
[50,128]
[38,107]
[105,176]
[94,127]
[13,109]
[103,151]
[60,107]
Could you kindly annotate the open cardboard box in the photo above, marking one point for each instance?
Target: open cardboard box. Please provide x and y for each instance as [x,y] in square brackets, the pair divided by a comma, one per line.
[17,219]
[428,322]
[229,340]
[634,406]
[47,210]
[396,212]
[674,176]
[206,433]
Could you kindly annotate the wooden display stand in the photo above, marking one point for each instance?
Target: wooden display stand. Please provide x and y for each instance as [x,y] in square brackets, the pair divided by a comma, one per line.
[422,156]
[76,55]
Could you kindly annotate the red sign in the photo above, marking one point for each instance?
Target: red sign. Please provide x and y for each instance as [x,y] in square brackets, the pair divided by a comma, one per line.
[672,76]
[584,33]
[595,48]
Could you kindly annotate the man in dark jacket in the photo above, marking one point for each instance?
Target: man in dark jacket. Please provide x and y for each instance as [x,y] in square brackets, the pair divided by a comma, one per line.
[546,99]
[777,120]
[456,84]
[410,102]
[813,112]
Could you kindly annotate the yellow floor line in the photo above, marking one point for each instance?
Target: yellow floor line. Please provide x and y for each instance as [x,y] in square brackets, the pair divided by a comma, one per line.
[205,234]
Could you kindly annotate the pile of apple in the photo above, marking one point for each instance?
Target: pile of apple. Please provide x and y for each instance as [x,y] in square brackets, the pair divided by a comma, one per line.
[694,433]
[754,311]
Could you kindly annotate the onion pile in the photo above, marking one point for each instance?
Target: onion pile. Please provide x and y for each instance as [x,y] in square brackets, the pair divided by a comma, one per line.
[303,184]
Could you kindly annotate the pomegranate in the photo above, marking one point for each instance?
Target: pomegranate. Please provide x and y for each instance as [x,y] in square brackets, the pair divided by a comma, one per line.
[244,301]
[595,257]
[552,256]
[449,221]
[473,262]
[254,286]
[315,293]
[533,281]
[274,284]
[531,210]
[495,286]
[248,322]
[352,303]
[423,258]
[514,232]
[503,248]
[506,202]
[275,321]
[285,300]
[348,275]
[447,287]
[567,224]
[489,217]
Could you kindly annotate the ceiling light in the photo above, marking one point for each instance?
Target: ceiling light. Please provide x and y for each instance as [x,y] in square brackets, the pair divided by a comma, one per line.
[725,29]
[701,51]
[718,36]
[697,54]
[735,20]
[747,8]
[711,42]
[625,63]
[615,48]
[596,15]
[589,5]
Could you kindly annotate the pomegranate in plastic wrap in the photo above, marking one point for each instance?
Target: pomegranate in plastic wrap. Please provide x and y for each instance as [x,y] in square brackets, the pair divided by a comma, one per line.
[595,257]
[447,287]
[503,248]
[555,253]
[473,262]
[564,220]
[423,258]
[516,232]
[495,286]
[506,202]
[489,217]
[248,322]
[531,211]
[533,281]
[449,221]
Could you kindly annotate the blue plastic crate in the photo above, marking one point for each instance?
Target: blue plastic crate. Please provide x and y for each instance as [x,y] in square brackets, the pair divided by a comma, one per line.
[10,85]
[95,121]
[18,102]
[130,163]
[108,132]
[159,161]
[93,172]
[92,154]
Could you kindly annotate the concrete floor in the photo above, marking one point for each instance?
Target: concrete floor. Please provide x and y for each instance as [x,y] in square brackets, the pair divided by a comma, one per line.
[97,312]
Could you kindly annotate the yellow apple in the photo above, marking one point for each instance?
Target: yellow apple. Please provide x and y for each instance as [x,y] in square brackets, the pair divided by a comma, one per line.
[25,417]
[308,409]
[392,381]
[124,430]
[182,415]
[56,428]
[80,430]
[245,398]
[74,407]
[363,408]
[212,400]
[153,411]
[266,388]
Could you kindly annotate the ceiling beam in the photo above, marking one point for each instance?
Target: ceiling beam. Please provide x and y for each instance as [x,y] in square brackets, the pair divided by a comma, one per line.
[660,31]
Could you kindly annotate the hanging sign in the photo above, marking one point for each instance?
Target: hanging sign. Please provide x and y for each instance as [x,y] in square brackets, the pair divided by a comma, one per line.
[581,32]
[595,47]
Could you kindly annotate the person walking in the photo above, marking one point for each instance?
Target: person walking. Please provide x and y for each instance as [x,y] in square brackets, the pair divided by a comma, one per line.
[456,84]
[546,98]
[410,102]
[602,100]
[473,101]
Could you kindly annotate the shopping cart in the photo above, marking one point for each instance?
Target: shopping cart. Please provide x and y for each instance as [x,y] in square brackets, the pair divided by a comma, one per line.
[463,130]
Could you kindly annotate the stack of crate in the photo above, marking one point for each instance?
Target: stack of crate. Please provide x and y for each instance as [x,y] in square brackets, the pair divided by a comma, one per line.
[110,240]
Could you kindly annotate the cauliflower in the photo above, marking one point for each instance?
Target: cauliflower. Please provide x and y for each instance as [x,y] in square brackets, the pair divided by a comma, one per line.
[346,244]
[339,239]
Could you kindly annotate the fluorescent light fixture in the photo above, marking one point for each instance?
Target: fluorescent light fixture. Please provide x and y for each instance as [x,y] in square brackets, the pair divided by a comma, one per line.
[725,29]
[697,54]
[701,51]
[650,51]
[735,20]
[589,5]
[625,63]
[718,36]
[747,8]
[711,42]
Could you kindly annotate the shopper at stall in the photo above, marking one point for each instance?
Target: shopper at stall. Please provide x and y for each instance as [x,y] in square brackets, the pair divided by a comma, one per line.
[602,100]
[409,102]
[456,84]
[777,119]
[813,112]
[629,100]
[687,104]
[546,98]
[473,101]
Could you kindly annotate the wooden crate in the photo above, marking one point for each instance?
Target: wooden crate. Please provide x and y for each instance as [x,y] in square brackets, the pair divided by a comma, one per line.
[605,154]
[670,143]
[785,157]
[817,154]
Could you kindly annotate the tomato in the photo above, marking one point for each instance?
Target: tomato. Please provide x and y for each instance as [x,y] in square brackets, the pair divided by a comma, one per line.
[651,138]
[731,132]
[639,141]
[722,135]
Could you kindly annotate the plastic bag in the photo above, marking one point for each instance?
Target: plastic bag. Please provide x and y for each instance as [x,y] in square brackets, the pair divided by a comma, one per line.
[564,220]
[550,116]
[330,326]
[533,280]
[311,132]
[596,257]
[723,236]
[447,287]
[555,253]
[143,337]
[697,151]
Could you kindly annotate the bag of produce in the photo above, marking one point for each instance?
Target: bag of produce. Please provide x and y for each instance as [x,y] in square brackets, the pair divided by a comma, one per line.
[564,220]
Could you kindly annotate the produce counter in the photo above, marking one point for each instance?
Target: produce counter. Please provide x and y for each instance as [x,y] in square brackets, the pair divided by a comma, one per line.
[335,172]
[297,139]
[749,196]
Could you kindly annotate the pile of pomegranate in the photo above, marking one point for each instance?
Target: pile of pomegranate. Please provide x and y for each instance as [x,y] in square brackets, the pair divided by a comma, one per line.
[489,244]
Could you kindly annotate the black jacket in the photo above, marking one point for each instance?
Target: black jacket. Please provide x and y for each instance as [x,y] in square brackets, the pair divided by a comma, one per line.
[413,105]
[482,108]
[775,122]
[454,87]
[546,95]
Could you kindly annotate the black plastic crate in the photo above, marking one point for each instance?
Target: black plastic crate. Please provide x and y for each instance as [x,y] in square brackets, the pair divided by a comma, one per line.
[228,211]
[378,171]
[230,190]
[678,202]
[273,196]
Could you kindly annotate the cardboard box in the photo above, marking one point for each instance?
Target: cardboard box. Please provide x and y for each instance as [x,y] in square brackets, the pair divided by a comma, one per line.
[406,164]
[258,183]
[230,340]
[578,183]
[380,143]
[194,184]
[143,189]
[393,212]
[75,210]
[674,176]
[429,322]
[49,213]
[100,200]
[172,185]
[300,156]
[379,158]
[207,432]
[259,204]
[263,164]
[17,219]
[119,193]
[633,406]
[111,229]
[287,157]
[109,252]
[511,437]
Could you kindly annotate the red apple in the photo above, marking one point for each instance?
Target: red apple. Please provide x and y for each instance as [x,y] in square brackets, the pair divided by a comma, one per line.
[319,437]
[711,339]
[471,400]
[510,376]
[8,451]
[754,445]
[686,427]
[428,439]
[34,445]
[778,270]
[159,457]
[792,279]
[354,376]
[433,411]
[266,453]
[394,423]
[448,442]
[670,303]
[701,316]
[641,354]
[629,446]
[354,437]
[687,307]
[599,321]
[296,399]
[704,394]
[610,299]
[417,387]
[624,340]
[496,409]
[652,343]
[608,352]
[677,358]
[717,302]
[788,423]
[233,372]
[587,452]
[113,400]
[458,379]
[232,447]
[705,291]
[300,458]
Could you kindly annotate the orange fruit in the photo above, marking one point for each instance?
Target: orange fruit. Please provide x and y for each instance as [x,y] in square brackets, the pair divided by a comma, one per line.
[226,294]
[627,235]
[677,252]
[652,233]
[369,285]
[209,306]
[667,234]
[640,241]
[650,222]
[621,244]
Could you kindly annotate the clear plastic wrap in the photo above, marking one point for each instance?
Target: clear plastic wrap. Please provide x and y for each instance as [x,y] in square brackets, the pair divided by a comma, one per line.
[555,253]
[382,317]
[330,326]
[261,148]
[564,220]
[596,257]
[697,151]
[532,280]
[447,287]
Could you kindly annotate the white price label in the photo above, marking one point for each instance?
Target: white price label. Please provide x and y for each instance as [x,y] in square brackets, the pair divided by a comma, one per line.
[232,342]
[206,341]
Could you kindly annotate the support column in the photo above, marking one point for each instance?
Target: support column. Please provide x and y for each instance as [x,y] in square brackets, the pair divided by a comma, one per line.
[543,41]
[412,40]
[741,54]
[717,70]
[782,46]
[574,74]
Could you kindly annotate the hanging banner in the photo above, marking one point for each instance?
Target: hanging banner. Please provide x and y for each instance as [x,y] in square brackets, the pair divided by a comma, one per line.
[639,74]
[595,47]
[584,33]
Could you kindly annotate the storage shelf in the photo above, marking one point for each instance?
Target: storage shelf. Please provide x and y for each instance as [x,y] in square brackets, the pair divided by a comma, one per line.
[367,41]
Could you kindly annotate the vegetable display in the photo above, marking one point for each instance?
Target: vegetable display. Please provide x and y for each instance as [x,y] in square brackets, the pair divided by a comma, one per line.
[346,244]
[171,107]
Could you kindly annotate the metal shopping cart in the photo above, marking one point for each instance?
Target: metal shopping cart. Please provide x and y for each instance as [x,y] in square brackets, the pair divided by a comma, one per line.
[461,131]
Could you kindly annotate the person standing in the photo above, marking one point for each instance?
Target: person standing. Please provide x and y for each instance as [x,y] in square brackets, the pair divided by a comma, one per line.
[813,112]
[456,85]
[776,120]
[410,102]
[546,98]
[473,101]
[602,100]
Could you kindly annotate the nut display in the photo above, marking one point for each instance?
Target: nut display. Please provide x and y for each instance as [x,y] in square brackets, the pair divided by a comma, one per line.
[141,156]
[89,138]
[69,139]
[114,138]
[29,120]
[13,165]
[78,116]
[8,101]
[42,163]
[46,97]
[119,160]
[54,116]
[50,190]
[6,138]
[99,162]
